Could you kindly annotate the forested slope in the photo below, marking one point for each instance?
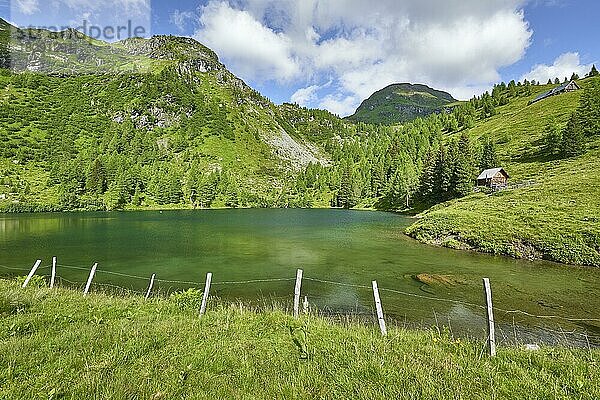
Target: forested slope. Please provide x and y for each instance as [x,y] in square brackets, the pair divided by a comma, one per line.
[552,207]
[161,123]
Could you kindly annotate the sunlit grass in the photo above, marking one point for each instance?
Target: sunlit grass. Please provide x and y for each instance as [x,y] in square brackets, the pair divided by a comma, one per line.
[57,344]
[556,218]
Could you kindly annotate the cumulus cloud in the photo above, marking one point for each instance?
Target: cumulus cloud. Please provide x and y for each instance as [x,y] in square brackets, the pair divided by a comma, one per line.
[256,51]
[309,95]
[340,104]
[304,96]
[28,7]
[457,45]
[364,46]
[563,66]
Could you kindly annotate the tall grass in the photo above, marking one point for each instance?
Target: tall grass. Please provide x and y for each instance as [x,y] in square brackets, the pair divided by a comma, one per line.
[57,344]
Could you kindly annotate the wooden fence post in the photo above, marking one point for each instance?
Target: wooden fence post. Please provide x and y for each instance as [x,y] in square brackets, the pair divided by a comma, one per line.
[205,295]
[491,339]
[53,275]
[150,286]
[297,292]
[305,305]
[379,309]
[90,278]
[33,269]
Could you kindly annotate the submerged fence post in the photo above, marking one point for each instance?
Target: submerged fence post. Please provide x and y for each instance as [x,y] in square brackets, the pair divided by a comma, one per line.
[150,286]
[297,292]
[379,309]
[53,275]
[205,296]
[90,278]
[33,269]
[487,290]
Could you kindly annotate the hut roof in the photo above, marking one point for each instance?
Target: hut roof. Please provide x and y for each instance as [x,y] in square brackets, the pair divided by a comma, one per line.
[490,173]
[556,90]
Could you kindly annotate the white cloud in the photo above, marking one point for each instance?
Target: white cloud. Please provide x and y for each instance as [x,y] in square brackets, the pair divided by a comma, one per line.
[364,46]
[305,96]
[28,7]
[85,14]
[181,18]
[255,50]
[563,66]
[309,95]
[340,104]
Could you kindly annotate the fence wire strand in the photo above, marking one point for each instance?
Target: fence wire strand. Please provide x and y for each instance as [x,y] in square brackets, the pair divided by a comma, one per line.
[307,278]
[336,283]
[547,316]
[420,296]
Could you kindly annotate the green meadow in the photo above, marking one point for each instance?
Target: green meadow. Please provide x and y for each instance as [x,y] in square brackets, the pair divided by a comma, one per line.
[57,344]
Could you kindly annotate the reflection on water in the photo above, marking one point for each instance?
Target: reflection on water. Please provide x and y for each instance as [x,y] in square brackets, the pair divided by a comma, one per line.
[348,247]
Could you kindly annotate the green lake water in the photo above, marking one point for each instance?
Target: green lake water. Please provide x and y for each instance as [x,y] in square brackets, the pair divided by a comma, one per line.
[346,249]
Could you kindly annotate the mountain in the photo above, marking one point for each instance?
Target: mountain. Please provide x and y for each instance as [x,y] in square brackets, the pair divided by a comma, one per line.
[89,124]
[401,102]
[161,123]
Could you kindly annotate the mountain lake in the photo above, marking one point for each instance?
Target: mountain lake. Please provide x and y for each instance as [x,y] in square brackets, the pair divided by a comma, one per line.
[253,255]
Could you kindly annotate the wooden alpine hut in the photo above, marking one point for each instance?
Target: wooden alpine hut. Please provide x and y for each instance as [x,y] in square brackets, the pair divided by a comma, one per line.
[493,178]
[564,88]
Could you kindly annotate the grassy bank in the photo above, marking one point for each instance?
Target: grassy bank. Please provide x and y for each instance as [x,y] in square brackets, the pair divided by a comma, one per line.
[554,215]
[57,344]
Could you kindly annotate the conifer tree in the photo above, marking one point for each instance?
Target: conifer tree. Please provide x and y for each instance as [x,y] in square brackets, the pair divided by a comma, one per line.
[552,139]
[442,175]
[588,111]
[593,71]
[464,168]
[96,182]
[573,140]
[345,196]
[463,176]
[427,181]
[489,158]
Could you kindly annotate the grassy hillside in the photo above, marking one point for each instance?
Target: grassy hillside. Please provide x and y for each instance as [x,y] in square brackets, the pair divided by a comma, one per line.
[555,215]
[153,122]
[161,123]
[58,344]
[401,102]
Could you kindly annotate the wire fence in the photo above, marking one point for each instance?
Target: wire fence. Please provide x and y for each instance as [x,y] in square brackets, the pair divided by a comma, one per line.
[514,326]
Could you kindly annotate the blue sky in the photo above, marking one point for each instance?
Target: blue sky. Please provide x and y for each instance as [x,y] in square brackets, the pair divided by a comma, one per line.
[334,53]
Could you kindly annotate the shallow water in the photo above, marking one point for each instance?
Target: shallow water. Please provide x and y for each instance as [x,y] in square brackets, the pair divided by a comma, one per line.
[345,247]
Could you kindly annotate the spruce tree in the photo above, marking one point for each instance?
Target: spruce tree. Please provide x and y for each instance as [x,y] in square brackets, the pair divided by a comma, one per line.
[594,71]
[588,111]
[573,139]
[552,139]
[443,175]
[463,176]
[489,158]
[464,170]
[96,182]
[427,180]
[345,196]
